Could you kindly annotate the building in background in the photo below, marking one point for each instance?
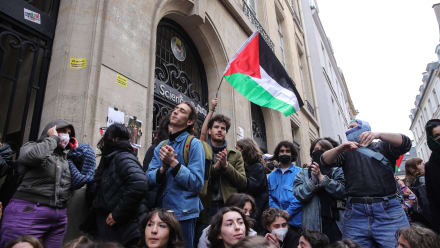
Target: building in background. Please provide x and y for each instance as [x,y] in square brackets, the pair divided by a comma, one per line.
[427,103]
[81,60]
[335,106]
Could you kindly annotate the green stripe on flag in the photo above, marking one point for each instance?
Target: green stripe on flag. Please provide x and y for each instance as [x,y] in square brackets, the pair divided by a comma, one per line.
[257,94]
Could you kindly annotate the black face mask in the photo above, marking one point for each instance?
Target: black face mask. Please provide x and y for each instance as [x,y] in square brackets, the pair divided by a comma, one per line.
[284,159]
[316,157]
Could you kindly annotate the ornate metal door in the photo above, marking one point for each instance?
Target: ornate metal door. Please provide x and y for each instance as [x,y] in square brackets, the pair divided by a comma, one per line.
[179,73]
[26,33]
[258,127]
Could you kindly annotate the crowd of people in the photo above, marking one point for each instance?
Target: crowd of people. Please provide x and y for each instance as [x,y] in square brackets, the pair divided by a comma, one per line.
[199,191]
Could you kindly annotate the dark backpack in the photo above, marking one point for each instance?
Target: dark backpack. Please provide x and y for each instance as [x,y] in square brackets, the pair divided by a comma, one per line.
[208,159]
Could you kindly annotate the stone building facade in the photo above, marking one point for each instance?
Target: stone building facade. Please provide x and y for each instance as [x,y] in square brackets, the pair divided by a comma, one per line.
[75,59]
[335,106]
[427,102]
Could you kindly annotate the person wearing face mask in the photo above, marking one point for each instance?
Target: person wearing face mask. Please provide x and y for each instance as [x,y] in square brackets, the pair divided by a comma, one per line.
[432,171]
[278,232]
[373,211]
[120,187]
[38,207]
[280,184]
[318,187]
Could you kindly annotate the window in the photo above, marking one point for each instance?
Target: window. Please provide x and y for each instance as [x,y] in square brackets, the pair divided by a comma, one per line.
[434,93]
[281,37]
[430,107]
[425,113]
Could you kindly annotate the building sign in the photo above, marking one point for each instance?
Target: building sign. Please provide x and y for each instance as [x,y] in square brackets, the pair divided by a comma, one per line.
[32,16]
[176,97]
[121,80]
[78,63]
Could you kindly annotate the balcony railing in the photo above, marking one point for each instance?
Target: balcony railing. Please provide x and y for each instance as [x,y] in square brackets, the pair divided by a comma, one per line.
[250,13]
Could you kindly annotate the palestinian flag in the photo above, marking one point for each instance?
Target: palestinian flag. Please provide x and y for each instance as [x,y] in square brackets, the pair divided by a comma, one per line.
[399,162]
[257,74]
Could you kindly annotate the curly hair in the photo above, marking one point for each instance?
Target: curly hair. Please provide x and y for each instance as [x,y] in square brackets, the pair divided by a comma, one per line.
[271,214]
[288,144]
[345,243]
[175,237]
[222,119]
[216,225]
[250,151]
[418,236]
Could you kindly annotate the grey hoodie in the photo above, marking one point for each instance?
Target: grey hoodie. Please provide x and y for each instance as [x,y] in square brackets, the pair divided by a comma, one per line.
[47,177]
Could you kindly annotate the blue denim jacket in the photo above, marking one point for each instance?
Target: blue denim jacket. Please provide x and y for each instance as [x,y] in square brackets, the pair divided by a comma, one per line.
[181,192]
[281,193]
[305,191]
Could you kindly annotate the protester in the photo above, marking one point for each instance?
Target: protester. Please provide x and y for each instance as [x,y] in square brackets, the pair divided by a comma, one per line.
[82,164]
[432,171]
[417,237]
[281,184]
[228,173]
[25,241]
[243,201]
[38,207]
[228,226]
[373,213]
[318,187]
[162,230]
[256,177]
[161,133]
[313,239]
[346,243]
[121,184]
[254,242]
[275,222]
[181,182]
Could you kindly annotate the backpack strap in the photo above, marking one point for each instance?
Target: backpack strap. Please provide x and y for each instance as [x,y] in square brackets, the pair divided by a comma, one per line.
[186,148]
[377,156]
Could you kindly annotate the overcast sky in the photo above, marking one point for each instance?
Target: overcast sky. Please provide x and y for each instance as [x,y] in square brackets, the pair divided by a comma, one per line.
[383,47]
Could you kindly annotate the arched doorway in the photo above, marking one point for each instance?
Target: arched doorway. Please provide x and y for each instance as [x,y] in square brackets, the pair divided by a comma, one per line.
[258,127]
[179,73]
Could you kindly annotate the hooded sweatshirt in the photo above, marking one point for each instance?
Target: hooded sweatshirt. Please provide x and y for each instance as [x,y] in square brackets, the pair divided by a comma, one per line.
[47,178]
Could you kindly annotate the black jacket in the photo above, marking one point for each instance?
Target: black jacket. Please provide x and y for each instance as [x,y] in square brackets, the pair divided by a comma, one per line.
[257,188]
[121,185]
[432,172]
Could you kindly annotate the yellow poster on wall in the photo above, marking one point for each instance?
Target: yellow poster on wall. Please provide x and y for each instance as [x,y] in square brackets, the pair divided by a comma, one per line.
[121,80]
[78,63]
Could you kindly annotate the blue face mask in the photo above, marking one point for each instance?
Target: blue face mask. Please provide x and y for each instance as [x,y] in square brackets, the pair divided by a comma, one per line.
[354,133]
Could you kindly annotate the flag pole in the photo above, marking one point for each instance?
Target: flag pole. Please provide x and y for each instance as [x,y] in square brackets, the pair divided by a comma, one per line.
[221,81]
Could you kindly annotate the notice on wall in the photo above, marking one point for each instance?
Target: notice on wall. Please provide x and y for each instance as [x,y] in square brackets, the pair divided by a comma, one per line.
[32,16]
[240,133]
[135,128]
[114,116]
[78,63]
[121,80]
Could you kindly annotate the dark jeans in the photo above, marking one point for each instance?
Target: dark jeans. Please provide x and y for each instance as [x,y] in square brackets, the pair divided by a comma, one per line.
[187,227]
[27,218]
[374,224]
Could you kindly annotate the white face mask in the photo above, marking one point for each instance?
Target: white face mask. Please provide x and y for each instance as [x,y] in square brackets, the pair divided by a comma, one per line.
[280,232]
[64,139]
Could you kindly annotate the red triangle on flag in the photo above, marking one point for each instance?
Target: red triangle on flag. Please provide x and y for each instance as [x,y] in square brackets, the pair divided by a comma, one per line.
[247,61]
